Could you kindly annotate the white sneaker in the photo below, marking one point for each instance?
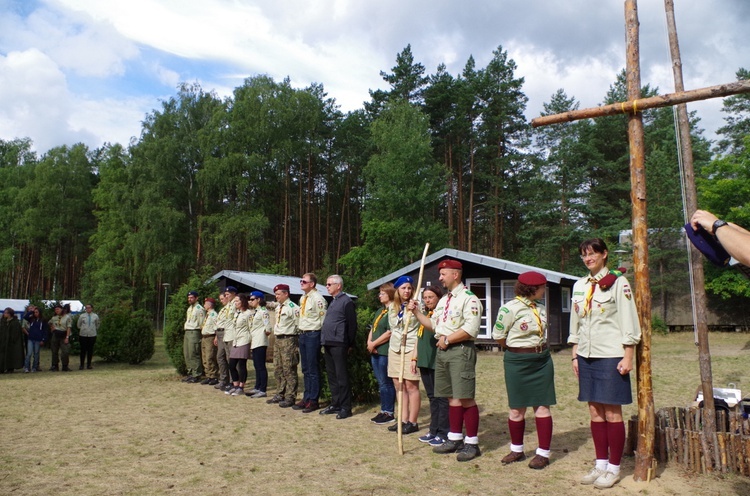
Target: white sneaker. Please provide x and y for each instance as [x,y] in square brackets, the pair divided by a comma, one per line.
[606,480]
[592,476]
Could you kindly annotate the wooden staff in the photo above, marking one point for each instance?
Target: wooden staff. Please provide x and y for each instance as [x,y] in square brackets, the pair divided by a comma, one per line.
[407,317]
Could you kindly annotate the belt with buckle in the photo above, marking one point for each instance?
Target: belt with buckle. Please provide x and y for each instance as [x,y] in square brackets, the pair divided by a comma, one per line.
[533,349]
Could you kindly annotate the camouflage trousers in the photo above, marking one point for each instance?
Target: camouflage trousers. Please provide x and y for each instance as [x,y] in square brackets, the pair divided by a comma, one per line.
[285,360]
[208,354]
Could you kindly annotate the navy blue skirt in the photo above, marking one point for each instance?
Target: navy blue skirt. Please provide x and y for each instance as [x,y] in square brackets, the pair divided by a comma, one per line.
[600,382]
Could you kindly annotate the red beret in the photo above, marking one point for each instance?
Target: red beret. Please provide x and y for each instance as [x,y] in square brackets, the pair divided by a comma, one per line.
[281,287]
[450,264]
[532,278]
[211,300]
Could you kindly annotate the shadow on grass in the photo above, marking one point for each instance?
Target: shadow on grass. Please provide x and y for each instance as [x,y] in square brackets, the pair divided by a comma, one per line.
[747,346]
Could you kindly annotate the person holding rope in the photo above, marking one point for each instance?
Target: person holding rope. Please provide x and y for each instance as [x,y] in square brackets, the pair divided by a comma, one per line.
[604,331]
[404,334]
[456,323]
[521,330]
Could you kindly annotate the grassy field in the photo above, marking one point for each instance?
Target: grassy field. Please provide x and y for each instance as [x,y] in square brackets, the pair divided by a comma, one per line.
[131,430]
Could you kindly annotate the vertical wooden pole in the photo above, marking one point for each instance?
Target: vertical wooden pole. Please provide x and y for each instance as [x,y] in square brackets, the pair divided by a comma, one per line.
[646,415]
[696,261]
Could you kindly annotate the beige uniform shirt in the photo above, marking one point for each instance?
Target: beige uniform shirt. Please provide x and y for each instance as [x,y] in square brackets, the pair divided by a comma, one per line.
[608,323]
[209,326]
[456,310]
[242,327]
[260,328]
[61,323]
[195,316]
[225,320]
[519,326]
[88,324]
[396,321]
[312,311]
[287,319]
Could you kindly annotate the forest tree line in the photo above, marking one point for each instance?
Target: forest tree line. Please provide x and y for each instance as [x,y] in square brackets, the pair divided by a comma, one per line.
[278,179]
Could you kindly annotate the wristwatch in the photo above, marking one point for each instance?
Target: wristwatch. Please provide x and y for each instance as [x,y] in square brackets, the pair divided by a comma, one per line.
[445,340]
[717,224]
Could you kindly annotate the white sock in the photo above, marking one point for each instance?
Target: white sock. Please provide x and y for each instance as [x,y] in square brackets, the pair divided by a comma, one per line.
[471,440]
[615,469]
[542,452]
[602,464]
[516,448]
[455,436]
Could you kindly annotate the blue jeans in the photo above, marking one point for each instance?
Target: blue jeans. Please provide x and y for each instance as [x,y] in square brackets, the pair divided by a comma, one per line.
[309,355]
[385,383]
[32,349]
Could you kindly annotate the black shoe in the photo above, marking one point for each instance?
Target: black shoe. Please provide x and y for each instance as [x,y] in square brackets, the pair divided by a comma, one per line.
[468,452]
[213,382]
[192,380]
[386,418]
[311,406]
[66,369]
[330,410]
[53,368]
[394,427]
[286,403]
[90,367]
[448,447]
[409,428]
[80,368]
[343,414]
[205,382]
[186,378]
[276,399]
[300,405]
[377,418]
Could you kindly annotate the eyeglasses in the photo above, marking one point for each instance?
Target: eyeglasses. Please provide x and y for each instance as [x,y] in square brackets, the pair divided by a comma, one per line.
[302,281]
[331,284]
[589,255]
[252,299]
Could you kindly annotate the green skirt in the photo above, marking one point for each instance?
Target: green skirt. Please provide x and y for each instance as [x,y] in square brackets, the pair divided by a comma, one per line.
[529,379]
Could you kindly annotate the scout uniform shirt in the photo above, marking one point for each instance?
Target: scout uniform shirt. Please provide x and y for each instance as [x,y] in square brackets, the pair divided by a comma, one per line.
[260,328]
[522,323]
[603,321]
[312,311]
[458,309]
[287,319]
[209,326]
[195,317]
[88,323]
[61,323]
[225,321]
[396,320]
[242,327]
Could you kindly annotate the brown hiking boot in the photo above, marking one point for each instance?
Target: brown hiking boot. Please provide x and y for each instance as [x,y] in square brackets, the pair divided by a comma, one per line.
[539,462]
[513,457]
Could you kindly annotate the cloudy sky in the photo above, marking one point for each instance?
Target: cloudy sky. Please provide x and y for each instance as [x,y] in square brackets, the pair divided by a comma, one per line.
[89,70]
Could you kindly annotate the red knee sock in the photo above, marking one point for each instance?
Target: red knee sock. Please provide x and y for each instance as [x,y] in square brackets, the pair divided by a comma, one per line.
[516,431]
[471,419]
[616,436]
[601,441]
[544,432]
[456,419]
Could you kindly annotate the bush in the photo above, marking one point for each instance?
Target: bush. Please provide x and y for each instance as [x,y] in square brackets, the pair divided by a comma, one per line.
[658,326]
[125,336]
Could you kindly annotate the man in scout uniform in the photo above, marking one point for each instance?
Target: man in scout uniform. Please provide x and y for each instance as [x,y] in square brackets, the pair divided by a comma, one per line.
[208,348]
[312,311]
[286,349]
[61,326]
[456,321]
[191,342]
[88,324]
[225,336]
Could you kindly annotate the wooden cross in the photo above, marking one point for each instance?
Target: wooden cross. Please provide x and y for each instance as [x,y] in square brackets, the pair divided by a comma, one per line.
[645,465]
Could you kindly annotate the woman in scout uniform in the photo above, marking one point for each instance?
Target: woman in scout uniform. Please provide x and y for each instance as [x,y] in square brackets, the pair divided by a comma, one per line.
[260,329]
[377,346]
[521,329]
[240,351]
[397,316]
[426,354]
[604,331]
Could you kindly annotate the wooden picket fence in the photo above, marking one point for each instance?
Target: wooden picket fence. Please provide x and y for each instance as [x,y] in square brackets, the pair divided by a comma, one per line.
[680,439]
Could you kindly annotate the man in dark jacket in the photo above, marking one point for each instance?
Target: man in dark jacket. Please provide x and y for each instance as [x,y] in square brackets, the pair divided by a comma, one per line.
[337,338]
